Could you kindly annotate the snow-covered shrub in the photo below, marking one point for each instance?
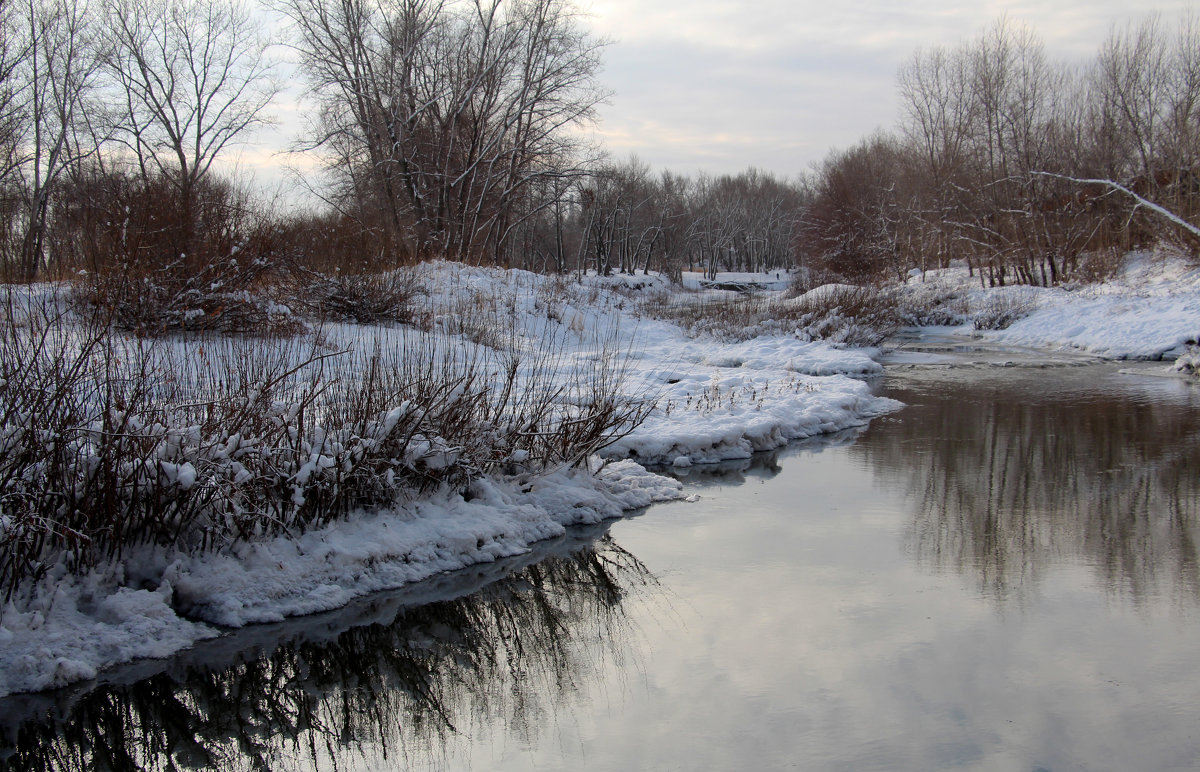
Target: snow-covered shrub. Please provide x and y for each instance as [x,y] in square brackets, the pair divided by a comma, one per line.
[108,441]
[364,298]
[849,315]
[220,297]
[998,309]
[843,314]
[922,304]
[71,441]
[1188,363]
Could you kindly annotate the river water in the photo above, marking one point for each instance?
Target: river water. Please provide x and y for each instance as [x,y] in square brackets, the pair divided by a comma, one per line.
[1002,576]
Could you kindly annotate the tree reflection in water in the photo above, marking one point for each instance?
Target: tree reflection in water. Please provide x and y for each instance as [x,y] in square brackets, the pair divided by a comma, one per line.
[1009,480]
[392,690]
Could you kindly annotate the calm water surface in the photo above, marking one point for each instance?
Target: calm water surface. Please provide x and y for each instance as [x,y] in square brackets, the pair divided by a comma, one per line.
[1003,576]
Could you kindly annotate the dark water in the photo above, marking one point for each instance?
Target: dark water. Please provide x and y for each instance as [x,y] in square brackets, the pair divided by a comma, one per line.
[1003,576]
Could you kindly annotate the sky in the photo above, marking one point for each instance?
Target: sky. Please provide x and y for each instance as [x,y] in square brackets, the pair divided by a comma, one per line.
[721,86]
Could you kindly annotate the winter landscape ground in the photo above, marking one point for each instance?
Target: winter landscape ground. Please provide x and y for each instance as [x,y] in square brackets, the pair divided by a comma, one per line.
[674,398]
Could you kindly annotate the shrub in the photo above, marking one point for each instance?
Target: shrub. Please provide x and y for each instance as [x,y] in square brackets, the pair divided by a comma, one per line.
[842,314]
[157,260]
[1098,266]
[998,309]
[108,441]
[364,298]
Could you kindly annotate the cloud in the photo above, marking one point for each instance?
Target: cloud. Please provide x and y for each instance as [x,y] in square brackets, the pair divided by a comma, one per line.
[722,86]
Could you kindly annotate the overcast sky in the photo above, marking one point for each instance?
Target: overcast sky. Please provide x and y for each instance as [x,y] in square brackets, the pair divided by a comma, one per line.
[718,86]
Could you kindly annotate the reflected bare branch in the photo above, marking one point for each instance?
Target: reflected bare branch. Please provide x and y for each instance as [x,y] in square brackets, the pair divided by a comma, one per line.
[396,688]
[1004,488]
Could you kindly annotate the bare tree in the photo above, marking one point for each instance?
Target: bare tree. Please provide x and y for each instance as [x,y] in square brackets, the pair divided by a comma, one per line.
[14,49]
[622,206]
[56,80]
[851,228]
[446,115]
[1148,84]
[1131,74]
[193,77]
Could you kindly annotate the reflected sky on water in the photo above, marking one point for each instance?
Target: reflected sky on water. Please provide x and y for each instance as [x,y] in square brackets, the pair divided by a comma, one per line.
[1003,576]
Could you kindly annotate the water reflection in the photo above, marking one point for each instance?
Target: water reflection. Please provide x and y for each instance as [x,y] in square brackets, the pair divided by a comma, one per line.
[1007,480]
[336,689]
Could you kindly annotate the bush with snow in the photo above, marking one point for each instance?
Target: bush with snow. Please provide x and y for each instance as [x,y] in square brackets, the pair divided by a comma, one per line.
[1188,363]
[999,308]
[108,442]
[363,298]
[931,304]
[841,314]
[148,483]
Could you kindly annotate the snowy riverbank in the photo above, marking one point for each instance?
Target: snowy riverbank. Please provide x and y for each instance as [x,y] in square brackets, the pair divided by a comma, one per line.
[1148,310]
[712,402]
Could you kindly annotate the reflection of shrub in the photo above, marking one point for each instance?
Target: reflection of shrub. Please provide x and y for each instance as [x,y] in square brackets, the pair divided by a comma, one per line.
[412,677]
[998,310]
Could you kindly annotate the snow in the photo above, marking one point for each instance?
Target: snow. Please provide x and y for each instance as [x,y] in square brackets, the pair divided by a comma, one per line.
[713,401]
[84,624]
[826,291]
[1148,311]
[328,567]
[766,280]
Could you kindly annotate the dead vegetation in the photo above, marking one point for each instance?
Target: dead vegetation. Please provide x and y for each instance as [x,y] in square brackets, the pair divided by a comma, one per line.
[108,441]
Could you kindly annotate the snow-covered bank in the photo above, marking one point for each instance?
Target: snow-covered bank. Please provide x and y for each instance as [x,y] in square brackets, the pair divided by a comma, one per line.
[1149,310]
[712,401]
[155,603]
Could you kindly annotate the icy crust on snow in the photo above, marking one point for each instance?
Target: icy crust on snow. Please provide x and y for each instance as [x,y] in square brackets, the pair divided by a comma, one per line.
[80,625]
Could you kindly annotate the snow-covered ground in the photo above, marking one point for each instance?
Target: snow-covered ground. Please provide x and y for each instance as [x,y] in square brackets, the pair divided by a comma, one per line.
[1149,310]
[712,402]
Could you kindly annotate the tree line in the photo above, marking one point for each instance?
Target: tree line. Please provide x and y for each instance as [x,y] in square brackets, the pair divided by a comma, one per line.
[450,128]
[1019,165]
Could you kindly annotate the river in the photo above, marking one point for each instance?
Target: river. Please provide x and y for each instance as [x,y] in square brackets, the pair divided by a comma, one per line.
[1002,576]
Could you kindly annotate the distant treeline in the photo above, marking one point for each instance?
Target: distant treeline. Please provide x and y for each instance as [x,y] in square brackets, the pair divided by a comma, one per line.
[449,128]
